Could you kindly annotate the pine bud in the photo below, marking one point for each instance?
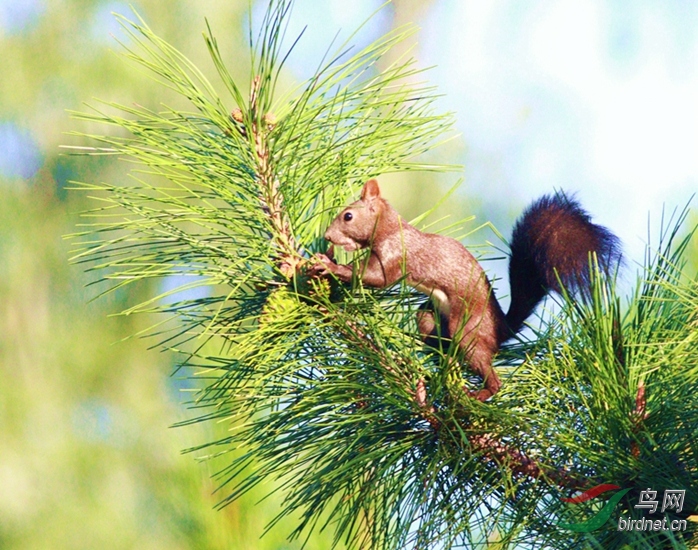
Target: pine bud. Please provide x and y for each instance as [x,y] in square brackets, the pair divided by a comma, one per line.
[270,120]
[236,115]
[279,303]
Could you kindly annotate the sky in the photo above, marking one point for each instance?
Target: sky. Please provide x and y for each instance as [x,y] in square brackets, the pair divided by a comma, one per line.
[598,98]
[19,15]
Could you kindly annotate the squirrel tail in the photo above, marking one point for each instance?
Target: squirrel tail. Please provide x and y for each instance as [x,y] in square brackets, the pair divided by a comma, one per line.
[550,245]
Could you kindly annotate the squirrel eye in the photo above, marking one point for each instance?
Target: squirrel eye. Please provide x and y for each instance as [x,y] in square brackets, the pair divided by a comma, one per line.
[348,217]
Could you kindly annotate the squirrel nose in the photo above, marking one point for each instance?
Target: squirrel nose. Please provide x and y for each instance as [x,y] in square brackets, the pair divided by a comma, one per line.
[327,236]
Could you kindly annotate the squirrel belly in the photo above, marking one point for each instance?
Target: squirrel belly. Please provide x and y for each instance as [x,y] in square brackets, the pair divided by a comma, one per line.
[550,245]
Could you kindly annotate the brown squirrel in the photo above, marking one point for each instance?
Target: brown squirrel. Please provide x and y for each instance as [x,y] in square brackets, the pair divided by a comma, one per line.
[550,245]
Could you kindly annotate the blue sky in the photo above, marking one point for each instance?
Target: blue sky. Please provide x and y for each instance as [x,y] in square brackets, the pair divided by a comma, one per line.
[596,97]
[18,15]
[599,98]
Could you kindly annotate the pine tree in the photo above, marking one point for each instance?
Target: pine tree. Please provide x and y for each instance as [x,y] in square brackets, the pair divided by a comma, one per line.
[326,388]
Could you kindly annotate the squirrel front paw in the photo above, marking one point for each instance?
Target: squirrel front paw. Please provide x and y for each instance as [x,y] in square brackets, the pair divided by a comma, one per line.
[325,264]
[320,265]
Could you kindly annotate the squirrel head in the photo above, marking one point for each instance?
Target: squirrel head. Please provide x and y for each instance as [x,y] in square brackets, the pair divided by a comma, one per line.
[357,225]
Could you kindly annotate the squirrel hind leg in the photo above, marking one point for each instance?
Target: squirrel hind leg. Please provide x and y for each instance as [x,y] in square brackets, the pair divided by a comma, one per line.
[434,333]
[437,335]
[480,360]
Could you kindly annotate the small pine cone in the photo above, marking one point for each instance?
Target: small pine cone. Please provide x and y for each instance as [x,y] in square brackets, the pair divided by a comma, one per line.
[236,115]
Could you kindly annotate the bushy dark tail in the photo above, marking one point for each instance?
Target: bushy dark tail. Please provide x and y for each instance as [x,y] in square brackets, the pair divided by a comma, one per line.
[551,242]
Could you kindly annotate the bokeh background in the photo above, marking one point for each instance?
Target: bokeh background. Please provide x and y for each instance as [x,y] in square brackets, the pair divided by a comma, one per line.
[599,98]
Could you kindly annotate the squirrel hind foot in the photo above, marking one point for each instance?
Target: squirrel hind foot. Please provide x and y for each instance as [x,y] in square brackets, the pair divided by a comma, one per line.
[481,395]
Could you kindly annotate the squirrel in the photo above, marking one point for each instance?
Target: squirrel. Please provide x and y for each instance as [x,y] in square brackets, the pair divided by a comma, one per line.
[550,245]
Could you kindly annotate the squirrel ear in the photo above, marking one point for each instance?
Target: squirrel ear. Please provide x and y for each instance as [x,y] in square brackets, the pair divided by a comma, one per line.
[370,191]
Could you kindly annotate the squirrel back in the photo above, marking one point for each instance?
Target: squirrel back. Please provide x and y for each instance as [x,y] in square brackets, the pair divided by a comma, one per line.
[550,245]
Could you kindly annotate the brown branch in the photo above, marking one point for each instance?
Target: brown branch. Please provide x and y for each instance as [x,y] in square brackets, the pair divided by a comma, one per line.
[358,336]
[488,445]
[289,260]
[496,451]
[272,202]
[639,413]
[428,411]
[638,416]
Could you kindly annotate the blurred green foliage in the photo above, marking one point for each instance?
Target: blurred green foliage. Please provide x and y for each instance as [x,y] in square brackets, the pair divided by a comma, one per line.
[87,459]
